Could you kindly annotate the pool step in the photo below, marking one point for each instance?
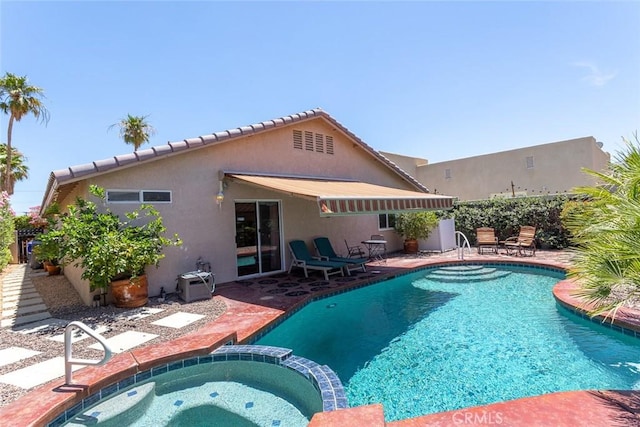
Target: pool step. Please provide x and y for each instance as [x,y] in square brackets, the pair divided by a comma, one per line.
[120,410]
[462,277]
[458,268]
[444,272]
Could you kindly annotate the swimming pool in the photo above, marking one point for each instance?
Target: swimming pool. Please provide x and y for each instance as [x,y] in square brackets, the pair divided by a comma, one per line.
[235,386]
[447,338]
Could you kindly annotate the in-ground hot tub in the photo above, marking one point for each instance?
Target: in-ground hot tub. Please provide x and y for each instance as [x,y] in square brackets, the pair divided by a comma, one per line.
[243,385]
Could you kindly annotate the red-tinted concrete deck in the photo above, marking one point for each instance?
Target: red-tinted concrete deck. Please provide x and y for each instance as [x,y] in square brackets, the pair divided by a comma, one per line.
[253,305]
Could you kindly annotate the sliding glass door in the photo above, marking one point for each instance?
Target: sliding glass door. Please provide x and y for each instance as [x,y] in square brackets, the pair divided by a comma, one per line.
[258,240]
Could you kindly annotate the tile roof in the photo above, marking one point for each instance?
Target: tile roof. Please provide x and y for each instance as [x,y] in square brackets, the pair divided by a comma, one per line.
[77,173]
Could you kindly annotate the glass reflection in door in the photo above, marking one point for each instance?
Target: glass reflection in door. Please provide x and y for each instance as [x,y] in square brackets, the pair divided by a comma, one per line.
[258,248]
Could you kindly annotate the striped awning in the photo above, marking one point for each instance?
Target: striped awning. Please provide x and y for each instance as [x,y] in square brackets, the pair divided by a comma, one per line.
[339,198]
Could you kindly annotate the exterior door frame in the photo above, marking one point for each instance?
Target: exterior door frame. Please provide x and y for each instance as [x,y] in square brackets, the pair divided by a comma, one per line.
[260,272]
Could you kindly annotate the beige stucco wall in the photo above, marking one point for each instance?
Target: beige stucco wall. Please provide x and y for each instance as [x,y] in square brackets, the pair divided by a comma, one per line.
[208,231]
[407,163]
[557,168]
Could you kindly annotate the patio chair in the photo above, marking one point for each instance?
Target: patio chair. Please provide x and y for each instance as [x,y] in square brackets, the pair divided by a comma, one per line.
[300,257]
[486,237]
[326,252]
[354,251]
[523,244]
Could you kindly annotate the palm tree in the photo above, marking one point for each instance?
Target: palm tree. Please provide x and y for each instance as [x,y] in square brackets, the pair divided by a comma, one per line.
[134,130]
[19,169]
[606,230]
[18,98]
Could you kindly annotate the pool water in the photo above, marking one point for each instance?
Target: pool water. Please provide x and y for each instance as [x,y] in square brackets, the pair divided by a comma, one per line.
[235,386]
[447,338]
[224,394]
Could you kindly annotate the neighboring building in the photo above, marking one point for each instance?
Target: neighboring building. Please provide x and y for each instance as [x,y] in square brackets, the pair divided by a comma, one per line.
[237,197]
[554,168]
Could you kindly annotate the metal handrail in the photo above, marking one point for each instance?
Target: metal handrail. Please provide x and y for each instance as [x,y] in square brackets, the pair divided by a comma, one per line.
[460,248]
[69,360]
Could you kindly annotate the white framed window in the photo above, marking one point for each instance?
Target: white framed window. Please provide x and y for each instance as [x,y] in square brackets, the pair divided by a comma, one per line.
[447,174]
[386,221]
[139,196]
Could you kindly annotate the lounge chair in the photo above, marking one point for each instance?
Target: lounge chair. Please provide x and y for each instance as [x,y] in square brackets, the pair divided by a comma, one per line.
[522,244]
[300,257]
[326,252]
[486,237]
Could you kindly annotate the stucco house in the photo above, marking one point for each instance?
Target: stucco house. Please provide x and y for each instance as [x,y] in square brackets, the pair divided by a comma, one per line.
[545,169]
[238,196]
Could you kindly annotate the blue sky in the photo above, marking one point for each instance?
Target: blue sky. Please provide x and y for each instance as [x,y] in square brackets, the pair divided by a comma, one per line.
[438,80]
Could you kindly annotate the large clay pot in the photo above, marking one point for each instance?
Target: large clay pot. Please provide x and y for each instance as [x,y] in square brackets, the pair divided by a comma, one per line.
[130,293]
[53,270]
[411,246]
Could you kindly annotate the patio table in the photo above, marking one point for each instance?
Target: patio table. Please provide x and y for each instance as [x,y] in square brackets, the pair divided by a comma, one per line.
[377,249]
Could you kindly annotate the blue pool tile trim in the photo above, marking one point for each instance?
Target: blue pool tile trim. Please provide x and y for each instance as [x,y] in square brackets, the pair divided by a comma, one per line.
[324,380]
[144,375]
[599,320]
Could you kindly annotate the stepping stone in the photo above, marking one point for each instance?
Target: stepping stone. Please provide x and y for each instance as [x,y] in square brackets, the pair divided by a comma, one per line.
[14,280]
[37,374]
[18,292]
[21,303]
[139,313]
[41,273]
[23,320]
[36,327]
[24,310]
[125,341]
[17,287]
[79,334]
[14,354]
[178,320]
[20,297]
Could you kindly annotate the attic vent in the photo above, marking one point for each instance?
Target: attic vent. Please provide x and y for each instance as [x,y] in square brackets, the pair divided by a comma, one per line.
[329,141]
[319,143]
[308,141]
[297,139]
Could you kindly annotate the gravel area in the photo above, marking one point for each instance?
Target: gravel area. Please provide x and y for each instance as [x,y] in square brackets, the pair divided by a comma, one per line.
[63,302]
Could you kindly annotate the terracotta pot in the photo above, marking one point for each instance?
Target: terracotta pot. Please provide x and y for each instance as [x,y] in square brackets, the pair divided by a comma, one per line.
[53,270]
[411,246]
[130,293]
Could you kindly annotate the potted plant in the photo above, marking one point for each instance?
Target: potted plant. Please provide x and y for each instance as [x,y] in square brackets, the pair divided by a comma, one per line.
[48,252]
[114,252]
[413,226]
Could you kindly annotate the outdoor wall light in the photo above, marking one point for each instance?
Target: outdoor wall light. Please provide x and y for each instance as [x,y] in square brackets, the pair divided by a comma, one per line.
[220,195]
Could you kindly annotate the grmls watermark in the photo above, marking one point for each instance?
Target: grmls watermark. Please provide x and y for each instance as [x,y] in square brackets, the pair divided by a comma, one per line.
[475,418]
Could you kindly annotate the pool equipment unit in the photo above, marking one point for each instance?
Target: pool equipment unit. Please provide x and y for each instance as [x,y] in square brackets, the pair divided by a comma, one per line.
[198,284]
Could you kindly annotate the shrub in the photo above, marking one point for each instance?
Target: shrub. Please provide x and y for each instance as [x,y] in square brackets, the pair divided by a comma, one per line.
[507,215]
[7,229]
[416,225]
[107,247]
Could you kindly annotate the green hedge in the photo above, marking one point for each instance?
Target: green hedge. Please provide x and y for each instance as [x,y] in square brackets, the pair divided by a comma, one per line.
[7,230]
[507,215]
